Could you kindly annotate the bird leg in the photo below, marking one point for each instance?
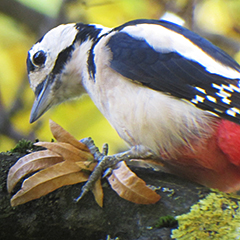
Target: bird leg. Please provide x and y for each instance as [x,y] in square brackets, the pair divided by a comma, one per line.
[106,162]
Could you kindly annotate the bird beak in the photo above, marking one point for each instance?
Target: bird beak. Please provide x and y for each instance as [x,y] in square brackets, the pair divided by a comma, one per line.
[42,102]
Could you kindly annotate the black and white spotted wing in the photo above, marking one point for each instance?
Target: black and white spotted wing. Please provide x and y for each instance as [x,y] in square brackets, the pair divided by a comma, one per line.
[169,58]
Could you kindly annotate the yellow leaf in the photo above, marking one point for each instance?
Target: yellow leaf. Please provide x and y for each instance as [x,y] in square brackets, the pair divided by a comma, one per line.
[131,187]
[67,151]
[31,163]
[63,164]
[98,192]
[86,165]
[61,135]
[48,180]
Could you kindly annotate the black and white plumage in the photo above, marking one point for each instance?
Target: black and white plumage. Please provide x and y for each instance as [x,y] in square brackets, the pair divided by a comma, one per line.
[160,55]
[174,60]
[159,84]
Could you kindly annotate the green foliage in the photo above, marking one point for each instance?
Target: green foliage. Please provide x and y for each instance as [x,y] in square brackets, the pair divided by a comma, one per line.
[45,6]
[166,221]
[82,118]
[215,217]
[22,146]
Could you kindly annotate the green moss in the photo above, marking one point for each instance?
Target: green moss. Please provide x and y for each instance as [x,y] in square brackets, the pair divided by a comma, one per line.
[22,146]
[215,217]
[166,221]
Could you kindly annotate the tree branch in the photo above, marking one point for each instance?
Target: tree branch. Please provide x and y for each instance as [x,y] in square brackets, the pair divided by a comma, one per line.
[29,17]
[58,216]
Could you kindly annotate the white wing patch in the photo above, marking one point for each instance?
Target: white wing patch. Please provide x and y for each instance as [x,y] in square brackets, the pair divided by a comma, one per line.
[197,99]
[165,40]
[224,92]
[231,112]
[211,99]
[201,90]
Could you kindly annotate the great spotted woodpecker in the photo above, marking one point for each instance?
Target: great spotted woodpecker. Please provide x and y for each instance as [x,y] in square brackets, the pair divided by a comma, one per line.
[160,85]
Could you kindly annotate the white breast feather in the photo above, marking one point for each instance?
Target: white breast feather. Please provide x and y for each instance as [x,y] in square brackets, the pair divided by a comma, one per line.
[144,116]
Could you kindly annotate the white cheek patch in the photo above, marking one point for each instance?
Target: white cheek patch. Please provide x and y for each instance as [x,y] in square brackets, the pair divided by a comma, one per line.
[165,40]
[52,44]
[56,40]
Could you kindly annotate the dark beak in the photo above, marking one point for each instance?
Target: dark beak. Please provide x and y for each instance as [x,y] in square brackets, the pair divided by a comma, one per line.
[42,102]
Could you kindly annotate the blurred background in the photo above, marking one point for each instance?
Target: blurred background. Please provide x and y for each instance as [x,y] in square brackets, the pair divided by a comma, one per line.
[23,22]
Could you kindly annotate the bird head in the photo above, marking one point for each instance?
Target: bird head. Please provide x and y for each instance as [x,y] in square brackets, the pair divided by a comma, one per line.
[56,64]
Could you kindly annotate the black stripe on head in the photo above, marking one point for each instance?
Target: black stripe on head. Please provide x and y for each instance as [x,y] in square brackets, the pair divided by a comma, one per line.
[62,59]
[30,66]
[91,64]
[88,32]
[85,32]
[90,61]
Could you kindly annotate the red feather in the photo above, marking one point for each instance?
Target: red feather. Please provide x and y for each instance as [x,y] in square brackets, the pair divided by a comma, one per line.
[229,140]
[215,162]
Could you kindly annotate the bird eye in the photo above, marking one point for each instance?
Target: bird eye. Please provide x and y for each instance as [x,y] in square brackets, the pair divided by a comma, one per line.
[39,58]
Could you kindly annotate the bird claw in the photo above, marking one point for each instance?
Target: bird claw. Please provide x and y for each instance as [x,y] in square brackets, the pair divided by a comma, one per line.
[107,172]
[109,162]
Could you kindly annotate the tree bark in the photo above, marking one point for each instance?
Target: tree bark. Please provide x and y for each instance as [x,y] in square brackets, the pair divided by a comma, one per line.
[57,216]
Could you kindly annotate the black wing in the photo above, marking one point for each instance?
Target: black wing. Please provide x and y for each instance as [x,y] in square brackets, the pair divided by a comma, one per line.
[169,71]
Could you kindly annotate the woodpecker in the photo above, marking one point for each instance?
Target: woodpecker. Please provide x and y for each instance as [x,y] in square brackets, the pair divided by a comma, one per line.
[160,86]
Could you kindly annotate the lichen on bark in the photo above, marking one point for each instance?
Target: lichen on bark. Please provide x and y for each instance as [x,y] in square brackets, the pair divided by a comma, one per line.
[217,216]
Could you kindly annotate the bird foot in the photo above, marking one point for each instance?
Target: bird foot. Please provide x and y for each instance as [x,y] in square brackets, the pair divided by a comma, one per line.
[107,163]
